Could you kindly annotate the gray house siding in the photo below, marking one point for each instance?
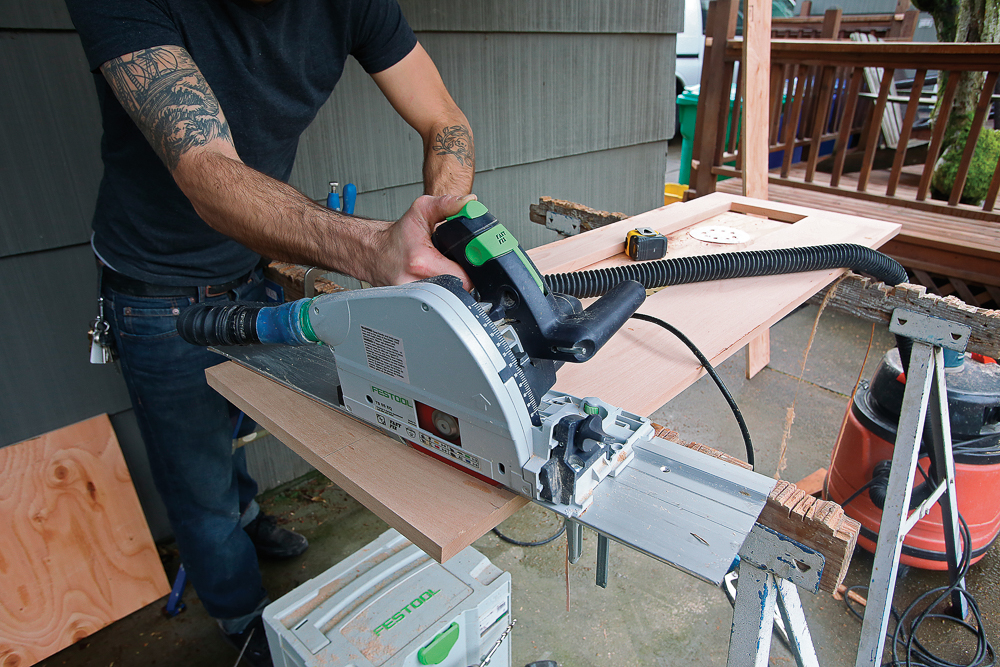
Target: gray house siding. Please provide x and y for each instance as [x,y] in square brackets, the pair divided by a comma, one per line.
[566,98]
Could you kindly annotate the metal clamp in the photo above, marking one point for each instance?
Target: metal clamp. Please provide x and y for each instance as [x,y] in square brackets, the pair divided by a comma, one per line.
[563,224]
[783,557]
[309,280]
[931,330]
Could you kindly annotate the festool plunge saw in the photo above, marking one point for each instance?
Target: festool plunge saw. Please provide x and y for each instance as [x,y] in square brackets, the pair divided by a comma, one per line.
[468,380]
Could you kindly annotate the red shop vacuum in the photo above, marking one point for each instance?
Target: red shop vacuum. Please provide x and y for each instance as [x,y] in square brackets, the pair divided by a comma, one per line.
[865,454]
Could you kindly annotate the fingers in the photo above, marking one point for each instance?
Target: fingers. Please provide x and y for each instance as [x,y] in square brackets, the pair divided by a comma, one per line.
[417,258]
[434,210]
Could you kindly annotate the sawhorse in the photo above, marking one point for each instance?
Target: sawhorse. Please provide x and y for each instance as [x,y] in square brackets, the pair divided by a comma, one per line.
[925,398]
[771,565]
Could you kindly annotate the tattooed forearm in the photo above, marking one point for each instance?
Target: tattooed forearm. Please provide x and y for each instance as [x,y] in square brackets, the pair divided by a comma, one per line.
[168,98]
[457,141]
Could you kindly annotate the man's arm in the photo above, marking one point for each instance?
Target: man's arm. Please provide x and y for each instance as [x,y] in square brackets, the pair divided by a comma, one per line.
[172,104]
[414,88]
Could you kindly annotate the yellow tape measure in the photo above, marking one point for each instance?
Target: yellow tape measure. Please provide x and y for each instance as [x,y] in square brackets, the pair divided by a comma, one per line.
[643,243]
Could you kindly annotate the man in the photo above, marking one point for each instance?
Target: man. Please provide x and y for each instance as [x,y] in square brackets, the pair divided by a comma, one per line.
[203,102]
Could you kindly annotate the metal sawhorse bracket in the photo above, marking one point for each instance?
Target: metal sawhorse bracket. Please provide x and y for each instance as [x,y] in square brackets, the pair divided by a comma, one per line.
[925,398]
[771,566]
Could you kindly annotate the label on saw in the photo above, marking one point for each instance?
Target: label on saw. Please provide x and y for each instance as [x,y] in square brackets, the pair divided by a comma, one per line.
[385,353]
[394,412]
[451,451]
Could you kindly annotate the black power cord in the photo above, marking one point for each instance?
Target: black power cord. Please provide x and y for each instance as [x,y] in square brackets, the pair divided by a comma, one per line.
[511,540]
[905,634]
[714,375]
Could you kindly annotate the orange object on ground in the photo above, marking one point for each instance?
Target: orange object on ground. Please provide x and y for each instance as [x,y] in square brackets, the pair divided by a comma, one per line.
[974,404]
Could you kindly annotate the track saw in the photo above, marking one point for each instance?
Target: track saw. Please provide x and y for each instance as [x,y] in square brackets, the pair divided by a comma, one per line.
[468,379]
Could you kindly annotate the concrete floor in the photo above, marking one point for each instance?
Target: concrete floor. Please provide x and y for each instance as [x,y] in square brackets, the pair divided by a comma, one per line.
[650,614]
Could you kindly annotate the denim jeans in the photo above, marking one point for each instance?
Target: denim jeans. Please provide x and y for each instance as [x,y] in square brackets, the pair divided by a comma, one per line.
[187,428]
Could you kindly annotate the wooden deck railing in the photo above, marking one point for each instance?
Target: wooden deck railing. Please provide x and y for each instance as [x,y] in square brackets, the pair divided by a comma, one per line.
[817,97]
[891,27]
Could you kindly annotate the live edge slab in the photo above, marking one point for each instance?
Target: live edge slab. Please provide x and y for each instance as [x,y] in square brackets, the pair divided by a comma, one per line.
[443,510]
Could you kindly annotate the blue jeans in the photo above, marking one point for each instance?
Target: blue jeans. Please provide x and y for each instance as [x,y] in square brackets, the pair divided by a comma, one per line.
[187,428]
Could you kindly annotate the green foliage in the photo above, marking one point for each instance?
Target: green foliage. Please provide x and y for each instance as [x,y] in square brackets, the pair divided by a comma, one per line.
[984,162]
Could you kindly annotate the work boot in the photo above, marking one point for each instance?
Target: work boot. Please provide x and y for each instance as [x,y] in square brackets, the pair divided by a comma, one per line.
[256,652]
[273,541]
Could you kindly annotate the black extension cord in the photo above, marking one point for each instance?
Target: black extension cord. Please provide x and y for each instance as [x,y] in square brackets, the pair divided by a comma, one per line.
[511,540]
[905,634]
[713,374]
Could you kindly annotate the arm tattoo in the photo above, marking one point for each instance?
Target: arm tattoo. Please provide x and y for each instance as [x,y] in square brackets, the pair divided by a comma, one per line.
[168,98]
[457,141]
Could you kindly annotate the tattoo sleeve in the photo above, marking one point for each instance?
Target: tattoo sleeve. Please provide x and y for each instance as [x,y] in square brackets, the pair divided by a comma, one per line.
[456,140]
[167,96]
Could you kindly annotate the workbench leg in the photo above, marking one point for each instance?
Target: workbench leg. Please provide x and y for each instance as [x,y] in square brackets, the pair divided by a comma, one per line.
[753,617]
[758,353]
[799,641]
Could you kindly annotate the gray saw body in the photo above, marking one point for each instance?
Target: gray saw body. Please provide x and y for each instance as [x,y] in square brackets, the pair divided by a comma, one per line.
[428,365]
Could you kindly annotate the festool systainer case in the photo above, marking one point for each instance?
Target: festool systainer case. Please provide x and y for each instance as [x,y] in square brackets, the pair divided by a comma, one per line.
[391,604]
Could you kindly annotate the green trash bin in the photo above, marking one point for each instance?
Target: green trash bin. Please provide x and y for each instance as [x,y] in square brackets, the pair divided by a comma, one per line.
[687,112]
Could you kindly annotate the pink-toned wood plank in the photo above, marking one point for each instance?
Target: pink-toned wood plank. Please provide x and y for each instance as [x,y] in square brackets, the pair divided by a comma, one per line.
[758,353]
[721,316]
[566,255]
[377,471]
[755,70]
[75,550]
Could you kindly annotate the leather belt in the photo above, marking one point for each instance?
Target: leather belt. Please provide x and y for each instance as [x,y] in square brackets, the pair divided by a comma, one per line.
[123,284]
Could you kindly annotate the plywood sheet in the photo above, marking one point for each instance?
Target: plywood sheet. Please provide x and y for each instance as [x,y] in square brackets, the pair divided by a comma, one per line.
[75,551]
[719,316]
[437,507]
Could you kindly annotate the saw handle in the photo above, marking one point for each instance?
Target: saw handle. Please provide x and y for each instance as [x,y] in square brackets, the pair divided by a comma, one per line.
[549,325]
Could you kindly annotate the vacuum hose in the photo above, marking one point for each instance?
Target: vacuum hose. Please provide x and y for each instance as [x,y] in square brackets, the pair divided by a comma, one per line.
[247,324]
[288,324]
[745,264]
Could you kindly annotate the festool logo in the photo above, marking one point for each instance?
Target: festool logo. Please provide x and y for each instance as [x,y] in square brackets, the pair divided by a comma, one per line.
[405,611]
[391,396]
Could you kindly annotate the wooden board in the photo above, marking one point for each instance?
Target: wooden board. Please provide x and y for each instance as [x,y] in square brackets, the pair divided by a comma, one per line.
[437,507]
[75,550]
[442,509]
[720,316]
[754,70]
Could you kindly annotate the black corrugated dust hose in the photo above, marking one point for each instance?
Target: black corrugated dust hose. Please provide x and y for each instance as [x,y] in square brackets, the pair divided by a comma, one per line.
[744,264]
[723,266]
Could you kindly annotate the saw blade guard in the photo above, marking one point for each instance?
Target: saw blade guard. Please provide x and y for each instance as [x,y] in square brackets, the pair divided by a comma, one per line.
[416,360]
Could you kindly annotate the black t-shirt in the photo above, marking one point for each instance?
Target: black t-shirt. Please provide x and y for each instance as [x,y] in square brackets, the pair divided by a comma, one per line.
[271,66]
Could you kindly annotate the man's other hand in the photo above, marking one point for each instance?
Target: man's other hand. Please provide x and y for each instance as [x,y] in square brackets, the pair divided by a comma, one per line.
[405,248]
